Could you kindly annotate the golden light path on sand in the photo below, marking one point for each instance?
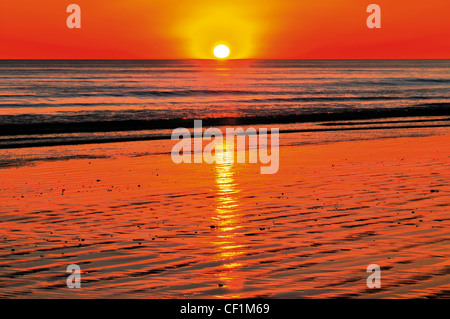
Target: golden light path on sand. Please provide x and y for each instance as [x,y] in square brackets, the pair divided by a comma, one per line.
[229,222]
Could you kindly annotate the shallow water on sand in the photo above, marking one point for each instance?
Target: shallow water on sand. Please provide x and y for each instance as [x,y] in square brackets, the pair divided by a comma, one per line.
[141,226]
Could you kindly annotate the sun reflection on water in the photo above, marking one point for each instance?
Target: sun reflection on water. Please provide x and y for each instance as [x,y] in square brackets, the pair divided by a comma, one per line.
[229,221]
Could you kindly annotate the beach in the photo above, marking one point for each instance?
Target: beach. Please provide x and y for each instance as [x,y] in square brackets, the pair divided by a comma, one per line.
[225,158]
[141,226]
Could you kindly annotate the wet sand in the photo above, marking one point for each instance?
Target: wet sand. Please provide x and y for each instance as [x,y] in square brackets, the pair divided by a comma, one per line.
[141,226]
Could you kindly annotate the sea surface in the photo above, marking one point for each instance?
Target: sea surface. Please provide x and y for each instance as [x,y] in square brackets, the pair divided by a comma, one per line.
[44,103]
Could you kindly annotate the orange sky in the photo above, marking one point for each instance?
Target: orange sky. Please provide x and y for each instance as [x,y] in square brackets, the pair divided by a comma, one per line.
[275,29]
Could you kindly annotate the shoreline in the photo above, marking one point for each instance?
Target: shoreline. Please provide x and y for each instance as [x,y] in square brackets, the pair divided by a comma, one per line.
[432,109]
[104,137]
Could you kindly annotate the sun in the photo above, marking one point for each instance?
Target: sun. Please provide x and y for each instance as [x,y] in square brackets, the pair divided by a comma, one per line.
[221,51]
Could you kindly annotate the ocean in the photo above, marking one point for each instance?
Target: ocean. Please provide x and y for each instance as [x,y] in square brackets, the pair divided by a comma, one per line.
[57,102]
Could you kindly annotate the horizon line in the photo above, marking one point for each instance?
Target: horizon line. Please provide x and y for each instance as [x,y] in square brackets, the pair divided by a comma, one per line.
[213,59]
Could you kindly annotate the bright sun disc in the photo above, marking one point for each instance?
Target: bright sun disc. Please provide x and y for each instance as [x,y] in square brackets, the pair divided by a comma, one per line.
[221,51]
